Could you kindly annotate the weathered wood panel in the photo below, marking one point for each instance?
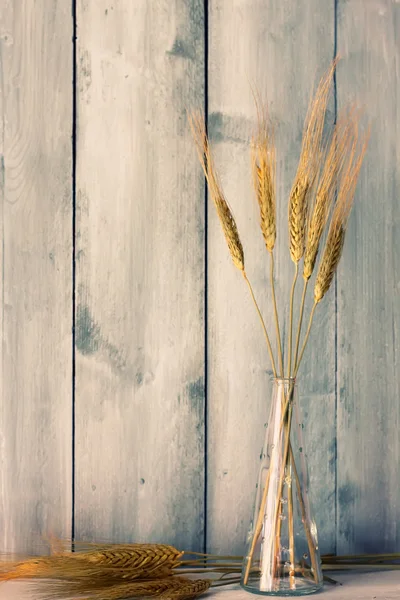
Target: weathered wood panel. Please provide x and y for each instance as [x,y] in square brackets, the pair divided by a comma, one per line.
[283,47]
[36,259]
[140,273]
[368,288]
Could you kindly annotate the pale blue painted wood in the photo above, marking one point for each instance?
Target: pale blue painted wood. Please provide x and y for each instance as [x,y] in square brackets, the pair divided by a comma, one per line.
[36,281]
[140,273]
[368,288]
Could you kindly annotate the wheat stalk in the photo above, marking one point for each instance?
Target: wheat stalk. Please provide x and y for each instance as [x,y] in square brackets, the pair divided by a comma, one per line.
[130,561]
[337,230]
[298,207]
[309,163]
[177,588]
[226,218]
[307,171]
[263,161]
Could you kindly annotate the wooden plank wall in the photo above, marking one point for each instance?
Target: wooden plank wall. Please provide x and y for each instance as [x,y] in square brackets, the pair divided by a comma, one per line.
[140,273]
[134,375]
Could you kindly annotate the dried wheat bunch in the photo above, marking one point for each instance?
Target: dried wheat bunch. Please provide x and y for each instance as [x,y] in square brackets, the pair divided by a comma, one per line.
[227,220]
[337,230]
[307,171]
[263,160]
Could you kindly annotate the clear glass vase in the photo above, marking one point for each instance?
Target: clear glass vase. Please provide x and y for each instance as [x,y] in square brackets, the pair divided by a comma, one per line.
[282,556]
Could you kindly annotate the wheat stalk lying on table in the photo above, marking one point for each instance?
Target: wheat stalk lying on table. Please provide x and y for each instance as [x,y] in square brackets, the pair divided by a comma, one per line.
[131,561]
[172,588]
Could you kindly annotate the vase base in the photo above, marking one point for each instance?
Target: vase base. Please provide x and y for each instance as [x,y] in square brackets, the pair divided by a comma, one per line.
[283,590]
[297,586]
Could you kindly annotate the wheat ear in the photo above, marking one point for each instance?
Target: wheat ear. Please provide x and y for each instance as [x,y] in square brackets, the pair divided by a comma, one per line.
[334,161]
[337,230]
[226,218]
[338,152]
[263,162]
[197,125]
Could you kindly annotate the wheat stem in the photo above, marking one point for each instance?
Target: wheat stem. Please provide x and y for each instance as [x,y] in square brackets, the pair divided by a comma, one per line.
[291,526]
[297,365]
[296,273]
[305,339]
[310,541]
[303,298]
[276,520]
[278,332]
[224,569]
[258,527]
[390,556]
[342,567]
[262,323]
[208,556]
[195,565]
[226,582]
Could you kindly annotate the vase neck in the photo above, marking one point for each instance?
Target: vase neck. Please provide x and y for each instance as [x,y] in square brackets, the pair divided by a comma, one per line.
[284,385]
[284,381]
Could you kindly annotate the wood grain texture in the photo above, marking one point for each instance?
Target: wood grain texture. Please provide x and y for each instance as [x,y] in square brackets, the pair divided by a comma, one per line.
[140,273]
[254,41]
[368,288]
[36,248]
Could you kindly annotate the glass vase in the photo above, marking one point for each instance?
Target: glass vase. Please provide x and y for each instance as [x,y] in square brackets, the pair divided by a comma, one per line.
[282,556]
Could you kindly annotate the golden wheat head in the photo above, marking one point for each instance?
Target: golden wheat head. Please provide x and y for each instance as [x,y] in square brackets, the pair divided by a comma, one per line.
[308,167]
[337,230]
[227,220]
[338,152]
[263,159]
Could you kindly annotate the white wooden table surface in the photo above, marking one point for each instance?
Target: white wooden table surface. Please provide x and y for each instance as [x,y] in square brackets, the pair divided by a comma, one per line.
[356,586]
